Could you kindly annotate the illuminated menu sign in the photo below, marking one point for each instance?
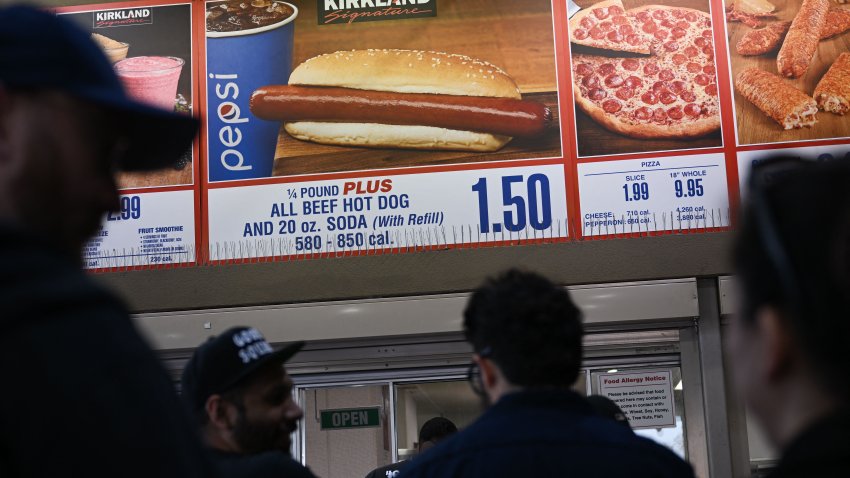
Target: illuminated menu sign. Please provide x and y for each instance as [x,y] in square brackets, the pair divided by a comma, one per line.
[364,127]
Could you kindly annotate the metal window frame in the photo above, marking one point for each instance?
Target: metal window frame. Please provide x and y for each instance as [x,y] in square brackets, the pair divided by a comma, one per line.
[621,306]
[631,311]
[665,351]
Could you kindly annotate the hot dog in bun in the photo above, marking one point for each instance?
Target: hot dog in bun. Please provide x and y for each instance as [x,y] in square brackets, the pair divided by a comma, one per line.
[401,99]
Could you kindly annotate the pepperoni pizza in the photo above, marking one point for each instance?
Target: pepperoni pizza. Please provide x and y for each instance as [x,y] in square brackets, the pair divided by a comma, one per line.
[607,26]
[672,93]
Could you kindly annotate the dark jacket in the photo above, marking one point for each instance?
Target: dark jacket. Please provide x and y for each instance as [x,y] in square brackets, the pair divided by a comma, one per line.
[821,451]
[271,464]
[546,433]
[82,393]
[387,471]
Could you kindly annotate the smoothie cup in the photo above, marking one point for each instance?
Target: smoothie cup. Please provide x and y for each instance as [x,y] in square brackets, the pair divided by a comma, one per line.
[151,79]
[240,145]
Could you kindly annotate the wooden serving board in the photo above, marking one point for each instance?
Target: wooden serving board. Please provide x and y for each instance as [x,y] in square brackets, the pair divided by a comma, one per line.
[516,35]
[164,177]
[594,140]
[294,157]
[754,127]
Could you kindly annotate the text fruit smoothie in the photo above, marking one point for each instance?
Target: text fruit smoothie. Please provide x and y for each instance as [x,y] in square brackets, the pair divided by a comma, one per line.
[151,79]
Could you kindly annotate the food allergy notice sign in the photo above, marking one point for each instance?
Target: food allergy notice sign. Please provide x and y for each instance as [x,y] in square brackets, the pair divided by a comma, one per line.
[645,397]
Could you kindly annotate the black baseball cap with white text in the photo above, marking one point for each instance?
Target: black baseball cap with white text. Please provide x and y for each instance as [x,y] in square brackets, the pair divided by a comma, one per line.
[226,360]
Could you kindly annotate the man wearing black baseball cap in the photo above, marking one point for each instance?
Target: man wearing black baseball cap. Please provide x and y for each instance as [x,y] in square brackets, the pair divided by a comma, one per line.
[236,387]
[83,394]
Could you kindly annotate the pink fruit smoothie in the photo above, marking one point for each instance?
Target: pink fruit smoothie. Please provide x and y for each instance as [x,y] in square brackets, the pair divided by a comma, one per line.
[151,79]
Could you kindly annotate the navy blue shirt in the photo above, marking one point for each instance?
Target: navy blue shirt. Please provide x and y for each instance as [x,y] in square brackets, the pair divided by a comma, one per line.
[82,393]
[271,464]
[821,450]
[546,433]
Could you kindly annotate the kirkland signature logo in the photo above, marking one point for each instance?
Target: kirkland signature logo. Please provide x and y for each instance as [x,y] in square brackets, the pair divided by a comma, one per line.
[120,18]
[350,11]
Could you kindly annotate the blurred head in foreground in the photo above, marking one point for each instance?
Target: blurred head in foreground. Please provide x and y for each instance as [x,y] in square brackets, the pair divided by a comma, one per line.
[792,258]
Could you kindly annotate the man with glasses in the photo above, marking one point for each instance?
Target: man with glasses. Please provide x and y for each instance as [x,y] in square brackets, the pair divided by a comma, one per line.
[527,337]
[789,340]
[83,394]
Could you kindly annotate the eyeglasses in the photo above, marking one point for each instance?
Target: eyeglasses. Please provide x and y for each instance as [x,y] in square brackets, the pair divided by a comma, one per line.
[473,373]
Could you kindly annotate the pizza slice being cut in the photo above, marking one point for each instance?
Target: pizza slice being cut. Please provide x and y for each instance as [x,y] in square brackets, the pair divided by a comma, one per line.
[605,25]
[673,30]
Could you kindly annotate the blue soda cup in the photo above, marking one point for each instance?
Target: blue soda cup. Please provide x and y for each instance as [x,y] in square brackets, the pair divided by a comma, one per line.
[240,145]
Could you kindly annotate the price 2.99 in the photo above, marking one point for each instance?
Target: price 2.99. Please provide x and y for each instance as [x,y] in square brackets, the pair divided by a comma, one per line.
[131,208]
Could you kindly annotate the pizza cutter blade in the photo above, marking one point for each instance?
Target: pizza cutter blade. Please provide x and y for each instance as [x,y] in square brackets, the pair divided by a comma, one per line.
[572,8]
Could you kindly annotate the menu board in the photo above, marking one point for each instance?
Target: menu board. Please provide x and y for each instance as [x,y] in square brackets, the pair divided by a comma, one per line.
[389,127]
[673,193]
[152,50]
[366,126]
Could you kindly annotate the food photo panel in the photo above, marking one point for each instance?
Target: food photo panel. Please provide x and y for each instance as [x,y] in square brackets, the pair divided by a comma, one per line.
[644,76]
[150,48]
[324,87]
[790,62]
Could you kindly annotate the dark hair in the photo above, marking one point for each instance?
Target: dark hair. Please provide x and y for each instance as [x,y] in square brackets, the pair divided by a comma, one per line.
[793,253]
[529,326]
[436,429]
[233,395]
[605,407]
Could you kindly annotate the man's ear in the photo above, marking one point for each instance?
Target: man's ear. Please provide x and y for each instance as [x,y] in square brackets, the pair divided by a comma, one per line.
[221,414]
[489,373]
[780,347]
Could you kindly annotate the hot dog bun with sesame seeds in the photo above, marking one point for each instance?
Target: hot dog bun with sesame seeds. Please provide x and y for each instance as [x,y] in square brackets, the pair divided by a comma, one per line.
[401,99]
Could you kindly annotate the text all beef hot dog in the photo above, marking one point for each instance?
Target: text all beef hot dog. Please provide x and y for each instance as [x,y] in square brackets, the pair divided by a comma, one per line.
[401,99]
[503,116]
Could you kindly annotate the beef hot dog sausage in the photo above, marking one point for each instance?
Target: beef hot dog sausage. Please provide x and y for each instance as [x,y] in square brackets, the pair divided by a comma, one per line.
[502,116]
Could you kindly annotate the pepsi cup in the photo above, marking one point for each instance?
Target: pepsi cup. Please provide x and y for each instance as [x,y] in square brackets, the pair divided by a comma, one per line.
[240,145]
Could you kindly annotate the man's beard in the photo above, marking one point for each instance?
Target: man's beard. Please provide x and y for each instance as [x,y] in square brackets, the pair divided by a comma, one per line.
[257,437]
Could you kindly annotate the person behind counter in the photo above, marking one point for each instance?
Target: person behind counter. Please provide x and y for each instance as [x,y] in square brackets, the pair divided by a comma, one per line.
[237,388]
[432,432]
[607,408]
[527,335]
[83,394]
[789,339]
